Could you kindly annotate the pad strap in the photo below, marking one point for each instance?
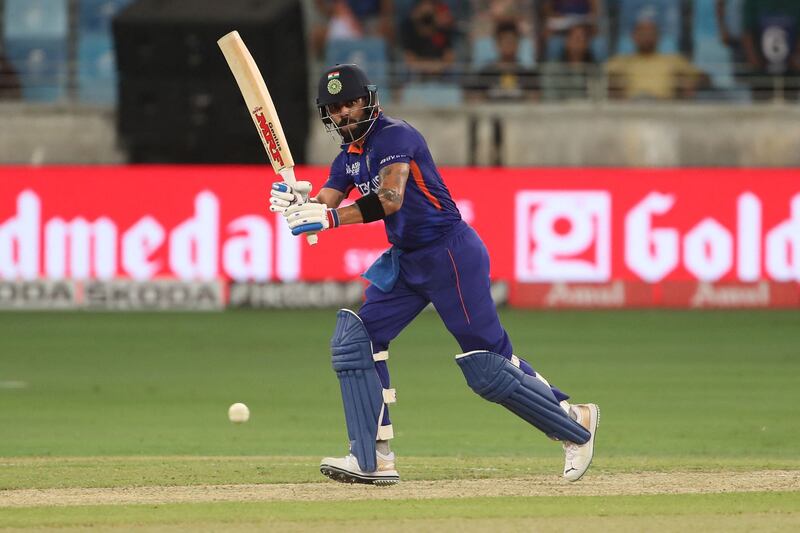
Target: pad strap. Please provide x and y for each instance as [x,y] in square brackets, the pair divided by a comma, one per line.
[385,432]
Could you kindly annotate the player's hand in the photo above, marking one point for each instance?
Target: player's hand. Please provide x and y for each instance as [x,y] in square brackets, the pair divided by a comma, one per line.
[283,195]
[311,217]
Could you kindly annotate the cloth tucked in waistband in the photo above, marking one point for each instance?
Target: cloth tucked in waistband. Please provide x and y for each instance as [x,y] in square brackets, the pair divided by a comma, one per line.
[383,273]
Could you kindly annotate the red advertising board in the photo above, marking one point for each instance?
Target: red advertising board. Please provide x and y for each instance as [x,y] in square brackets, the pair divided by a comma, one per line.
[644,229]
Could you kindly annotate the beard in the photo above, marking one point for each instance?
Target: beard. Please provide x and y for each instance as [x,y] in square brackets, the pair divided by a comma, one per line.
[358,129]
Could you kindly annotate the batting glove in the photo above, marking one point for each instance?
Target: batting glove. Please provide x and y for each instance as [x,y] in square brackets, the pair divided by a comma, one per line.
[282,195]
[310,217]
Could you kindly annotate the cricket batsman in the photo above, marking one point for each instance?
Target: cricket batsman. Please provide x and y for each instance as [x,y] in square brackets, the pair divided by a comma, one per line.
[435,257]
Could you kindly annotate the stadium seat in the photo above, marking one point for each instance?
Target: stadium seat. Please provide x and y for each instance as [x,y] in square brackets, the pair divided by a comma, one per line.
[42,67]
[24,19]
[95,15]
[710,53]
[432,94]
[97,72]
[370,53]
[485,52]
[27,19]
[666,13]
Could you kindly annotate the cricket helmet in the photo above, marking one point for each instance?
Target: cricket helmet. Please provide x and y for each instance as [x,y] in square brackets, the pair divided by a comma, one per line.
[343,83]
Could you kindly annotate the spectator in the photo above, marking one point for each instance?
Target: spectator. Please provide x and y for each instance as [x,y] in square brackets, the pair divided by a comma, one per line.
[729,21]
[10,86]
[505,79]
[771,46]
[428,40]
[350,19]
[569,78]
[648,74]
[490,13]
[559,16]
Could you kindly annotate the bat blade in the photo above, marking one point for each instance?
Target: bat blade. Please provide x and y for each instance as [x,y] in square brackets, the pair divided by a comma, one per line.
[259,101]
[260,106]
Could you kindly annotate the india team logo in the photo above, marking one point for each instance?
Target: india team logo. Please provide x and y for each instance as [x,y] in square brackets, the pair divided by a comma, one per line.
[334,84]
[563,236]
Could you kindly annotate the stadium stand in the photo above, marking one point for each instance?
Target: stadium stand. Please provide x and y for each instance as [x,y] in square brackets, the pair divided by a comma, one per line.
[96,61]
[36,38]
[600,41]
[485,52]
[63,50]
[710,53]
[369,52]
[433,94]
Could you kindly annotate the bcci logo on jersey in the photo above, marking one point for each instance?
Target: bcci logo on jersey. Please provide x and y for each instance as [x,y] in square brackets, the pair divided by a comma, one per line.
[563,236]
[354,169]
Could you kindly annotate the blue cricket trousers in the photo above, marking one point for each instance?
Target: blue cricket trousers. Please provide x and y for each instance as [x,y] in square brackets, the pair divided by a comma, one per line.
[453,274]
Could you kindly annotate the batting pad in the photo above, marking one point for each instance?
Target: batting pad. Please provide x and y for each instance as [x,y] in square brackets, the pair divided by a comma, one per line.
[495,378]
[362,392]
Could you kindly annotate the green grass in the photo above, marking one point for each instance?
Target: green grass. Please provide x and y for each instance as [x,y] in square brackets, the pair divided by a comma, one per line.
[669,384]
[144,471]
[121,400]
[373,513]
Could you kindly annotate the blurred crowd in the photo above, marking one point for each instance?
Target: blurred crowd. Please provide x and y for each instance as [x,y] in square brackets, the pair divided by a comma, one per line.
[447,52]
[512,50]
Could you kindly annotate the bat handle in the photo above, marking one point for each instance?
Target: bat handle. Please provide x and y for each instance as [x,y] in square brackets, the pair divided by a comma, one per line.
[287,174]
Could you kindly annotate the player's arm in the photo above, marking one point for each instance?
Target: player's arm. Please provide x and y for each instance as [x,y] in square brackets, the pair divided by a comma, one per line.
[330,197]
[369,208]
[388,200]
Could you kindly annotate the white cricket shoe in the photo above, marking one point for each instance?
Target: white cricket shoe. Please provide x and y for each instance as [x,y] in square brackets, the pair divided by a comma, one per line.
[579,456]
[346,470]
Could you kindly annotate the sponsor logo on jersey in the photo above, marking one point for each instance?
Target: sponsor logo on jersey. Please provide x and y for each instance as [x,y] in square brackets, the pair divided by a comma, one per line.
[391,158]
[373,185]
[353,169]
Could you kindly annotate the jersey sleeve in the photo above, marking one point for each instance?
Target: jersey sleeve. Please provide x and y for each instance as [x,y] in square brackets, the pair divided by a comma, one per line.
[338,178]
[396,144]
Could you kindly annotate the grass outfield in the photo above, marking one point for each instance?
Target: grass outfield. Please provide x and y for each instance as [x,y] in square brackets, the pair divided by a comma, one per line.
[140,400]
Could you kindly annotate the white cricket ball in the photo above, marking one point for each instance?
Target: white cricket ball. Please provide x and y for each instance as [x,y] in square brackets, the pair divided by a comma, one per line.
[238,413]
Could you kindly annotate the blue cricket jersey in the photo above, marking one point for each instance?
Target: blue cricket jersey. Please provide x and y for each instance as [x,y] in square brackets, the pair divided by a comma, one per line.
[428,210]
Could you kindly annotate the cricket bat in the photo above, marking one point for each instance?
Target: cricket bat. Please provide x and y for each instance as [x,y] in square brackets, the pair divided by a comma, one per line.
[262,110]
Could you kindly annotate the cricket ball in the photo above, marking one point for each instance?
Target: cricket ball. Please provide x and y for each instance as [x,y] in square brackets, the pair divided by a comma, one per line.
[238,413]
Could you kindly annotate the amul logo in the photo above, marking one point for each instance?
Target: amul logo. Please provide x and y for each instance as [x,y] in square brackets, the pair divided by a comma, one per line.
[563,236]
[268,134]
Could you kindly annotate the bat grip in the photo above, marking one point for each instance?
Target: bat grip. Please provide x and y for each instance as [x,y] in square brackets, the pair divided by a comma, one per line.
[311,238]
[287,174]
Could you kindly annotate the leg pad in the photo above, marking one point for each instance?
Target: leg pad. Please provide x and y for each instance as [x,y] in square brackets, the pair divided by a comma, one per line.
[495,378]
[362,392]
